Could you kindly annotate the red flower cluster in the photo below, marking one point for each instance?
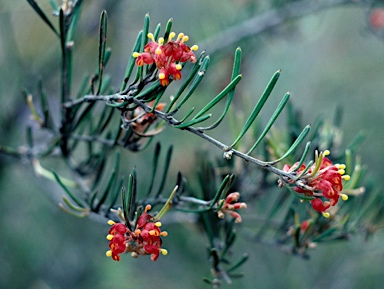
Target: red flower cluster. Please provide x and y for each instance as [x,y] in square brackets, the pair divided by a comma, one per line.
[230,205]
[144,240]
[322,179]
[167,57]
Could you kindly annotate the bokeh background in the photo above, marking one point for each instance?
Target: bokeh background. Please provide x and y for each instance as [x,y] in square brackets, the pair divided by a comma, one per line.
[328,59]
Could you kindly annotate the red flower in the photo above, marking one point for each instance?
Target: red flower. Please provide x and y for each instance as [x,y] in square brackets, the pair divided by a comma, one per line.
[167,56]
[230,205]
[322,180]
[144,240]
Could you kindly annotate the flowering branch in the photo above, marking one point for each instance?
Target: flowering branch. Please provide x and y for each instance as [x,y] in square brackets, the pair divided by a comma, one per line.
[157,62]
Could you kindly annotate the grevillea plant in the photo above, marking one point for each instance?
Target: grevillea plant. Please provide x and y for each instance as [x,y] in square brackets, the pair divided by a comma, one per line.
[292,165]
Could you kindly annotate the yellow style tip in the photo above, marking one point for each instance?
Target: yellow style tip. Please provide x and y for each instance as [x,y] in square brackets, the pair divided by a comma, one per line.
[161,75]
[346,177]
[344,197]
[326,214]
[171,35]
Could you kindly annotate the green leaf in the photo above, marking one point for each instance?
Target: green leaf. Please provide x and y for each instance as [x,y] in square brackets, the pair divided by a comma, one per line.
[187,115]
[324,235]
[77,209]
[154,87]
[167,206]
[192,122]
[196,81]
[48,122]
[242,260]
[157,31]
[303,156]
[219,97]
[102,44]
[111,182]
[125,201]
[115,196]
[271,121]
[168,29]
[144,40]
[258,107]
[107,190]
[294,146]
[188,80]
[165,170]
[131,61]
[44,17]
[104,120]
[235,73]
[70,194]
[129,198]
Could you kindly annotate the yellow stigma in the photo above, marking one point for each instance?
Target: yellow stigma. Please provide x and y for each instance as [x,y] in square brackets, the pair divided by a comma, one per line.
[154,233]
[110,222]
[150,36]
[158,224]
[340,166]
[158,51]
[179,67]
[164,234]
[147,208]
[161,40]
[135,54]
[180,36]
[194,47]
[164,252]
[326,152]
[341,171]
[326,215]
[161,76]
[137,232]
[109,237]
[344,197]
[185,38]
[108,253]
[171,35]
[346,177]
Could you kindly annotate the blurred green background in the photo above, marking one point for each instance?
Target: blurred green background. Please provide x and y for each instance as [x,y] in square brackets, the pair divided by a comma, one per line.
[328,59]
